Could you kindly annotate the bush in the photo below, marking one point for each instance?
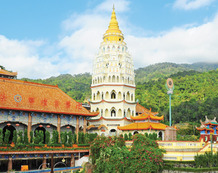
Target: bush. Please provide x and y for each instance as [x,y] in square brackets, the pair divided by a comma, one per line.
[20,137]
[126,137]
[206,160]
[7,135]
[1,136]
[64,137]
[110,155]
[130,136]
[25,137]
[31,136]
[55,137]
[47,137]
[70,138]
[14,140]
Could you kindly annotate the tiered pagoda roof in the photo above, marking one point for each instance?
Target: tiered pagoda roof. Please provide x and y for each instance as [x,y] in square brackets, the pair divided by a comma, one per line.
[145,115]
[208,125]
[29,96]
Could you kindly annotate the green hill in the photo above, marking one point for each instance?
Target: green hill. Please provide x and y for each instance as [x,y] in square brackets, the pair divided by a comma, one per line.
[195,94]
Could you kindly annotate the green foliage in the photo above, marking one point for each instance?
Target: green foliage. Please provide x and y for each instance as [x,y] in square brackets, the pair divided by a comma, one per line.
[31,136]
[14,140]
[107,155]
[126,137]
[1,136]
[206,160]
[74,138]
[55,137]
[20,137]
[70,138]
[37,137]
[41,137]
[47,137]
[25,137]
[130,136]
[7,135]
[81,138]
[64,137]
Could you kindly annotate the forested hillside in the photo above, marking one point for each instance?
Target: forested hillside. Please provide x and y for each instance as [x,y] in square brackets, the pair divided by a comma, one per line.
[195,94]
[160,70]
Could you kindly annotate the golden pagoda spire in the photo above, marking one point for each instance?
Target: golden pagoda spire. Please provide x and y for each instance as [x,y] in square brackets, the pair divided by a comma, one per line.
[113,32]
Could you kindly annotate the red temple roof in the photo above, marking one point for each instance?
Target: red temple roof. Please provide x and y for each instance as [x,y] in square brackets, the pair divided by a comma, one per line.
[29,96]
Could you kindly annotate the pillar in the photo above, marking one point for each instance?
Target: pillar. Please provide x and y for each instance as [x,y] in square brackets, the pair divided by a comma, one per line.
[10,163]
[84,125]
[72,161]
[29,127]
[44,162]
[59,128]
[77,128]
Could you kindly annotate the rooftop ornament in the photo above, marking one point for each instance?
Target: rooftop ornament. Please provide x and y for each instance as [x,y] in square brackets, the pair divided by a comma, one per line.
[170,88]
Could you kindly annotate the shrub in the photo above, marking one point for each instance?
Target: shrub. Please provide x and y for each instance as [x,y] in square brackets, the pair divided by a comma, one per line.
[126,137]
[55,137]
[130,136]
[206,160]
[1,136]
[14,137]
[20,137]
[25,137]
[31,136]
[47,137]
[7,135]
[64,137]
[70,137]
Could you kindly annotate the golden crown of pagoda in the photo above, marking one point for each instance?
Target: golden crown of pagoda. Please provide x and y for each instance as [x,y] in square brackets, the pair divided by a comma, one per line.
[113,32]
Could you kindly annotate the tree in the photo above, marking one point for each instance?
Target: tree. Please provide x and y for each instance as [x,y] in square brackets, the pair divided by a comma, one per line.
[70,137]
[20,137]
[47,137]
[1,136]
[7,135]
[14,137]
[31,136]
[25,137]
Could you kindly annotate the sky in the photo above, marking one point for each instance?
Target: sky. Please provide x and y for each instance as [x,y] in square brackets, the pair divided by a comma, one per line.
[40,39]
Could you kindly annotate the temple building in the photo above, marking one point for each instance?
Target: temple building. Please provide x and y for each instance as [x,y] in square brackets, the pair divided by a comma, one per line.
[145,122]
[7,74]
[33,106]
[113,83]
[113,90]
[208,129]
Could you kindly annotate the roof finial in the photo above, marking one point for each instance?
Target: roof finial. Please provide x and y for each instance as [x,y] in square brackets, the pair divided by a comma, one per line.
[113,7]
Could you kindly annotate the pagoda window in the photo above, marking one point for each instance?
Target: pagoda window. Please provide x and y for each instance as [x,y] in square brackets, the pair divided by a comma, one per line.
[205,138]
[123,96]
[118,79]
[113,78]
[135,132]
[113,113]
[107,95]
[113,95]
[131,97]
[98,95]
[128,96]
[93,96]
[102,96]
[119,95]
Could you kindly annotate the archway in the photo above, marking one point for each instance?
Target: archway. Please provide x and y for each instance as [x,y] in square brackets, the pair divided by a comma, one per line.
[11,129]
[113,112]
[113,132]
[136,132]
[113,95]
[40,129]
[160,135]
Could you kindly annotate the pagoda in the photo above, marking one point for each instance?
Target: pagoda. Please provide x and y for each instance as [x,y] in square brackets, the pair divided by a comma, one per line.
[208,129]
[113,83]
[146,122]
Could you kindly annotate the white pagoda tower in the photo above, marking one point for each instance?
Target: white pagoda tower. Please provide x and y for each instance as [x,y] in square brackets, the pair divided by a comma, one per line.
[113,83]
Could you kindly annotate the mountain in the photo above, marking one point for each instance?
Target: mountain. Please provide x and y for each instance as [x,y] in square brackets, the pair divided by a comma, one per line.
[163,70]
[195,94]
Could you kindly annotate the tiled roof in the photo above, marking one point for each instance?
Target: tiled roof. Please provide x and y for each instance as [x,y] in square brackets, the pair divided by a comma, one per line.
[143,126]
[29,96]
[145,116]
[205,128]
[140,109]
[7,73]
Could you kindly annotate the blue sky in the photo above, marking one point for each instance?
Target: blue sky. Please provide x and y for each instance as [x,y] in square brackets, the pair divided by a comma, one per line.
[39,39]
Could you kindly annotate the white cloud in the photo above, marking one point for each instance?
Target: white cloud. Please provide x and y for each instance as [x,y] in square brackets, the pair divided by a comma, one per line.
[21,56]
[180,45]
[191,4]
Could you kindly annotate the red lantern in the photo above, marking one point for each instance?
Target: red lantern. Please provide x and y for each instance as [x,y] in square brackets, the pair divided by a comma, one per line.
[17,125]
[8,124]
[48,126]
[40,125]
[68,127]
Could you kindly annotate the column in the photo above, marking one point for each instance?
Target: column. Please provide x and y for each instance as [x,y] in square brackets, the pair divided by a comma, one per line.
[72,161]
[44,166]
[84,125]
[59,128]
[77,128]
[29,127]
[9,163]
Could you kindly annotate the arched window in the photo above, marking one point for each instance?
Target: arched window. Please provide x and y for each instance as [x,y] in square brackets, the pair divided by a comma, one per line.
[98,95]
[113,78]
[102,96]
[93,96]
[119,95]
[107,95]
[106,113]
[113,95]
[113,113]
[131,97]
[128,96]
[124,96]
